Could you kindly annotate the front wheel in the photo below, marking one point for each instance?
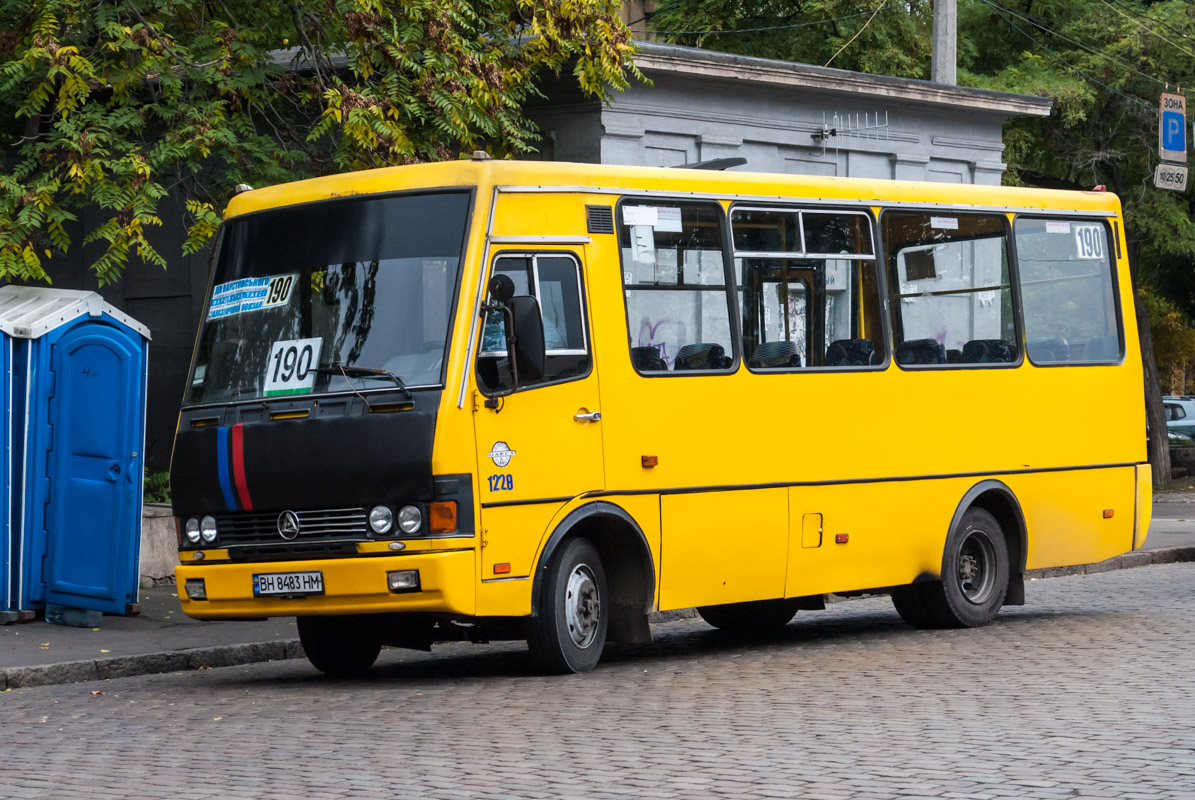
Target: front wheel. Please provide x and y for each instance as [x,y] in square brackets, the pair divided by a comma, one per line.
[343,647]
[568,632]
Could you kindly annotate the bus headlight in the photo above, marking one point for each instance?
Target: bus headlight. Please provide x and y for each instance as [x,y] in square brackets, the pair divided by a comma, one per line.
[381,519]
[192,530]
[410,519]
[207,529]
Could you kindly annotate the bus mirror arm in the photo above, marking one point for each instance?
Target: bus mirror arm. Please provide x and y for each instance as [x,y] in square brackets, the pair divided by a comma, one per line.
[524,330]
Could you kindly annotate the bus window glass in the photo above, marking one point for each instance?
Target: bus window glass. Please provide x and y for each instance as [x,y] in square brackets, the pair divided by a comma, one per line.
[365,282]
[674,277]
[807,311]
[555,280]
[766,230]
[950,291]
[1067,293]
[836,234]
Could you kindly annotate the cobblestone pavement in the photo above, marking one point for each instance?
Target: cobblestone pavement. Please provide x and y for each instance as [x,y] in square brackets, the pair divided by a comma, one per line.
[1086,692]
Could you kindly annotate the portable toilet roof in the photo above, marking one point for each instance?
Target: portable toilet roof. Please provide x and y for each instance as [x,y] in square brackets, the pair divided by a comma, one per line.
[30,312]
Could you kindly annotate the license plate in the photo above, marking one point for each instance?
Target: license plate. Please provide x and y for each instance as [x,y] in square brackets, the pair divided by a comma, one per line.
[288,583]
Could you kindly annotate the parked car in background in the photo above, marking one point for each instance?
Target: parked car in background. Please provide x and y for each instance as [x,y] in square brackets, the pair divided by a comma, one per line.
[1180,414]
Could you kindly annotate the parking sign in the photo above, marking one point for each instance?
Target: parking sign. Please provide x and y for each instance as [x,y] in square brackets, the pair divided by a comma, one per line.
[1172,128]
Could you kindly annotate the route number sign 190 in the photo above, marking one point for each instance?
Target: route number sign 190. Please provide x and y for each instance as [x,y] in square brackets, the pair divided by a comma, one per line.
[290,367]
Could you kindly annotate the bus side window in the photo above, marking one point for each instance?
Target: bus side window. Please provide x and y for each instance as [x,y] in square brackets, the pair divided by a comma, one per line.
[950,291]
[555,280]
[1067,292]
[808,288]
[674,281]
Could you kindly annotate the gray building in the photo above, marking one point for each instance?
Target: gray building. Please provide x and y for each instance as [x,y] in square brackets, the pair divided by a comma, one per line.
[778,115]
[702,105]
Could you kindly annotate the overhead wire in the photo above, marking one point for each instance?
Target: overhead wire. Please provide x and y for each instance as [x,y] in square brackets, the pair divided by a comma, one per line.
[1174,31]
[1062,60]
[853,38]
[1030,19]
[872,11]
[1147,30]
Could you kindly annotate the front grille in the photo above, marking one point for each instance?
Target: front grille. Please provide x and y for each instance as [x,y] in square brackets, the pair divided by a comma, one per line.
[318,525]
[291,550]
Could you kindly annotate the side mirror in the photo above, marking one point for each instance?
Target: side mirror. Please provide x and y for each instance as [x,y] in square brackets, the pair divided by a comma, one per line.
[501,287]
[528,349]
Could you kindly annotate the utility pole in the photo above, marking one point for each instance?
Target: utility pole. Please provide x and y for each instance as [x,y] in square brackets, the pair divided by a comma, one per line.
[943,64]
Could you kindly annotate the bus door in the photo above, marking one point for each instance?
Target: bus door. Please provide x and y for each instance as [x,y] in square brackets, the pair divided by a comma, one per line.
[542,445]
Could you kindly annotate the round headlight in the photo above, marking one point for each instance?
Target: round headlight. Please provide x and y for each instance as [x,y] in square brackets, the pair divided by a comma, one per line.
[410,519]
[381,519]
[207,529]
[192,530]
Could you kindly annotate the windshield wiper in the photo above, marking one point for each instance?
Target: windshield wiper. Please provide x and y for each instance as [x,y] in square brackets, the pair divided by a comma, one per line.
[346,371]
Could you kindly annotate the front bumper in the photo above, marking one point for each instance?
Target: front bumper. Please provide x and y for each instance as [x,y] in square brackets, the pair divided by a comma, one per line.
[448,583]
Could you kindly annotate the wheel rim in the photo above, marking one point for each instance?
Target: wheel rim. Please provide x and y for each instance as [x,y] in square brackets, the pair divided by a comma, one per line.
[977,567]
[582,606]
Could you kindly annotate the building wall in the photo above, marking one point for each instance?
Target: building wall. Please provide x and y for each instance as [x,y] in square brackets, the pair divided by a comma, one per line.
[683,119]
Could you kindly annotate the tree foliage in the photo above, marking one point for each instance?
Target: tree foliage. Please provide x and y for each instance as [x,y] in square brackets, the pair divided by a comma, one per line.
[1173,340]
[113,104]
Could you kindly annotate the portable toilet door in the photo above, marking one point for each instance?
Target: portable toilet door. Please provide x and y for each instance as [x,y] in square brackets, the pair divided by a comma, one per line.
[93,510]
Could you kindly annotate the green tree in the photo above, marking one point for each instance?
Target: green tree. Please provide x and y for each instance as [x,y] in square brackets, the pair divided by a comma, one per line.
[112,104]
[1174,341]
[1104,62]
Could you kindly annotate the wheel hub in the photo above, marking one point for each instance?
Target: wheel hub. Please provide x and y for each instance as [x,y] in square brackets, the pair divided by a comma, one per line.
[977,567]
[582,606]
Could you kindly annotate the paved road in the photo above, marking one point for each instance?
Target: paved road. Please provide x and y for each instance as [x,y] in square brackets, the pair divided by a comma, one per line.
[1089,691]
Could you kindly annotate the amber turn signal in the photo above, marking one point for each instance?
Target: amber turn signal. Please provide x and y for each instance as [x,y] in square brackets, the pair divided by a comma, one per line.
[842,538]
[649,461]
[501,569]
[442,516]
[1109,512]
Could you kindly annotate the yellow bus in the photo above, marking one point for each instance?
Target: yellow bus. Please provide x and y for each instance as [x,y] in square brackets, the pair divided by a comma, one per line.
[492,400]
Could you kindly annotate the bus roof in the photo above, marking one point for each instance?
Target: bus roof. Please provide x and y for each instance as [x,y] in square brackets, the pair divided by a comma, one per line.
[589,178]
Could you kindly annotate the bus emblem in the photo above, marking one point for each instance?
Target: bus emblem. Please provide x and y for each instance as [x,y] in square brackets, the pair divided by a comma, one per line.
[288,525]
[501,454]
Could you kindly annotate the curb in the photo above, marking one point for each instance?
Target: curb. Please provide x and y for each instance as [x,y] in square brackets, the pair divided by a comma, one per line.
[232,655]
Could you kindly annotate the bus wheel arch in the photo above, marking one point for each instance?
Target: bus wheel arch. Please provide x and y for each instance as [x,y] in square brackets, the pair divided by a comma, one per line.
[983,563]
[626,559]
[998,499]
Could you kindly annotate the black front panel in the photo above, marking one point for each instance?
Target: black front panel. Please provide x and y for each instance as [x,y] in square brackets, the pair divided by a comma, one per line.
[241,460]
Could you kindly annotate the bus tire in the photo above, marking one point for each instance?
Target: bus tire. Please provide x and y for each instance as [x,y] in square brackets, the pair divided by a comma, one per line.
[974,574]
[569,631]
[343,647]
[761,616]
[910,604]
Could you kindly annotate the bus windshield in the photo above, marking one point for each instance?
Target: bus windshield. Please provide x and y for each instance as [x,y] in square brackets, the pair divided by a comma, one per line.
[303,294]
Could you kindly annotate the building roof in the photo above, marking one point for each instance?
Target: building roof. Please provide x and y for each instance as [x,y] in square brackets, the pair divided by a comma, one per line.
[29,312]
[693,61]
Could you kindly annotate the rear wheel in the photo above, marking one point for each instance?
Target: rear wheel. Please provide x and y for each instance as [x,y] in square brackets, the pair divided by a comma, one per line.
[568,633]
[761,616]
[343,647]
[974,578]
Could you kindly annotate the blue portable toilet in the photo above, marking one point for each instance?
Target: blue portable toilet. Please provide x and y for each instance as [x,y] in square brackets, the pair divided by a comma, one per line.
[74,394]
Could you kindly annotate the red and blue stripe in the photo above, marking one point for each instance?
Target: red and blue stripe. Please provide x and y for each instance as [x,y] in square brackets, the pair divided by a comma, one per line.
[230,467]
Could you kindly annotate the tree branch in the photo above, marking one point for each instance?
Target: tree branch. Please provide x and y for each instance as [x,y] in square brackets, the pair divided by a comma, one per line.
[166,45]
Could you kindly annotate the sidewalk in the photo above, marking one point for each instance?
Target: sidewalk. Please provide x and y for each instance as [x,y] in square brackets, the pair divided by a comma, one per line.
[160,639]
[163,639]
